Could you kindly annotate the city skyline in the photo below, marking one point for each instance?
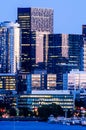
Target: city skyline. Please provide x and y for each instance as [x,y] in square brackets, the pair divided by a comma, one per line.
[36,59]
[68,15]
[34,23]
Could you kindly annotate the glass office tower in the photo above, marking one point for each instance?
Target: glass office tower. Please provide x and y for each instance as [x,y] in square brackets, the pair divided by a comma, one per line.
[84,47]
[9,47]
[62,53]
[34,22]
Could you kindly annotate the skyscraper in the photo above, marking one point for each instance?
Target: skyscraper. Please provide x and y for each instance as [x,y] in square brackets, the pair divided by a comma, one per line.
[84,47]
[62,53]
[84,31]
[9,47]
[34,22]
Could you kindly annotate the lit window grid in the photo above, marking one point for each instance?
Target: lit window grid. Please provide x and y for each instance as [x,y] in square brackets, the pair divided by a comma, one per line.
[66,102]
[76,81]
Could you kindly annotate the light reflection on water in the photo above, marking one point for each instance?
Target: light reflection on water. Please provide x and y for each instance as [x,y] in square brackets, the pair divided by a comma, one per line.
[16,125]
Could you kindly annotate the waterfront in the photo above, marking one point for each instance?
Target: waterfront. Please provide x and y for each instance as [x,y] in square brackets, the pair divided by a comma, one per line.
[27,125]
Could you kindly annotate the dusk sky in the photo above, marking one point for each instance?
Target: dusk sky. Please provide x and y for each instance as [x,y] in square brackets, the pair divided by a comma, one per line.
[69,15]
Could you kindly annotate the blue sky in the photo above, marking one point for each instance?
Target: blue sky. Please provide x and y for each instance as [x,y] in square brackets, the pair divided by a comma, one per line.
[69,15]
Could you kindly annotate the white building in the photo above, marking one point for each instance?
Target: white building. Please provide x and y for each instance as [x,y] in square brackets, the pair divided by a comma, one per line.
[9,47]
[74,80]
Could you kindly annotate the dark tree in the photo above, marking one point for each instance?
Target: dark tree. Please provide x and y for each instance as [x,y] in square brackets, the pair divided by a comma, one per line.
[80,102]
[46,110]
[56,110]
[13,112]
[24,112]
[69,113]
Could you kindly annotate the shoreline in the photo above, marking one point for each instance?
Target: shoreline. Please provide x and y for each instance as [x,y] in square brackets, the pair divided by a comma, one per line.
[19,119]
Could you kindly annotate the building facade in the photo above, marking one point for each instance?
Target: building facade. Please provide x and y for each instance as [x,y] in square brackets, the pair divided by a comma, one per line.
[9,47]
[62,54]
[74,80]
[63,98]
[84,47]
[40,80]
[34,22]
[8,82]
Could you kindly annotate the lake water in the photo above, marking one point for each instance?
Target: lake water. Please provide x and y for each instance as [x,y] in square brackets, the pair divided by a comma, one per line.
[16,125]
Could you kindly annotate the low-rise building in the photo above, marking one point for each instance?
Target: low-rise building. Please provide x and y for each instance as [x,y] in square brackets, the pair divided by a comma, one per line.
[37,98]
[75,80]
[8,81]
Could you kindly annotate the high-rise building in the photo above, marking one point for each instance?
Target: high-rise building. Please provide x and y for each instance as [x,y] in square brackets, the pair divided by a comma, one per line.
[62,53]
[84,47]
[84,31]
[9,47]
[34,23]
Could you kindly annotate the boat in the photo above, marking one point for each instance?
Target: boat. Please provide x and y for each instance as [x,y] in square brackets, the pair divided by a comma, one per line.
[83,121]
[52,119]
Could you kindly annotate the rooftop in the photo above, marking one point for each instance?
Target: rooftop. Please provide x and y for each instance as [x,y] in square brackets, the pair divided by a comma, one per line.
[50,92]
